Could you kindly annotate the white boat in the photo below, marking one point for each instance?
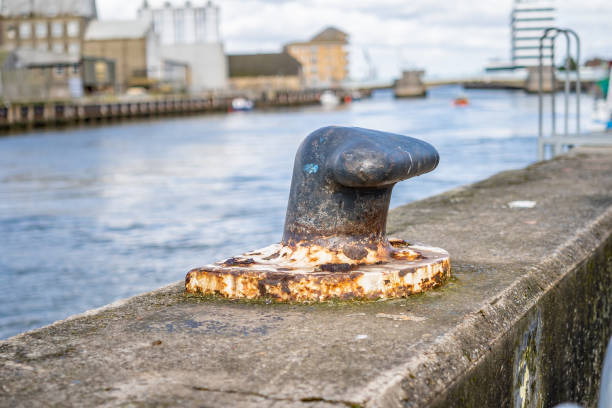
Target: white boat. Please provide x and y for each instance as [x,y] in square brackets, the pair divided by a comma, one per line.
[242,104]
[329,99]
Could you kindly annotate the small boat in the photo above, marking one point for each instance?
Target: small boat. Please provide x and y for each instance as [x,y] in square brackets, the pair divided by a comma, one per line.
[242,104]
[356,96]
[461,101]
[329,99]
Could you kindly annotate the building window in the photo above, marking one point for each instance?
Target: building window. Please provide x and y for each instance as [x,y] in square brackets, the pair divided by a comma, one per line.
[72,28]
[75,69]
[101,71]
[25,30]
[41,29]
[11,32]
[59,71]
[74,48]
[179,26]
[42,46]
[57,29]
[157,22]
[200,25]
[58,47]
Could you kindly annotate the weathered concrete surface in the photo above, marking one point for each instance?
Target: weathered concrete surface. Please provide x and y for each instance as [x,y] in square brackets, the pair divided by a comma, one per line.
[524,321]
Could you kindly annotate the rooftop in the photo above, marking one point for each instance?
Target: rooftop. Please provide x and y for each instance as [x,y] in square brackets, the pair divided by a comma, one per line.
[22,57]
[116,29]
[177,5]
[330,35]
[48,8]
[245,65]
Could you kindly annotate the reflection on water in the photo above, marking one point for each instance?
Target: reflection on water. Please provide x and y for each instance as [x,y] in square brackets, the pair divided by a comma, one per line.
[91,215]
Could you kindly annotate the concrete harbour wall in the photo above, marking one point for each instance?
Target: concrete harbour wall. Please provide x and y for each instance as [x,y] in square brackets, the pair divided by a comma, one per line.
[523,322]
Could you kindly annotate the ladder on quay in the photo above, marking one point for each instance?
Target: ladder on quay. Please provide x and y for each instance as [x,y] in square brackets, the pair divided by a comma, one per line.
[556,142]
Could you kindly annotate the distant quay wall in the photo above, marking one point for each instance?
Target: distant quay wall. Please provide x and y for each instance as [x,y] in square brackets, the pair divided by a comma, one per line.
[508,84]
[27,115]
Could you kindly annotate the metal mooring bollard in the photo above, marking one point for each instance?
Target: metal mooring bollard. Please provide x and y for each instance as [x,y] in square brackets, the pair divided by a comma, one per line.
[334,243]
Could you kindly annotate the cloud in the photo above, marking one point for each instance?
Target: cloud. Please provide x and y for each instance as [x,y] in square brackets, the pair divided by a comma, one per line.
[447,38]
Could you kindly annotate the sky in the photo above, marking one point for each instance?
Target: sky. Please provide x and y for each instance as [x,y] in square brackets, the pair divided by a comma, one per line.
[447,38]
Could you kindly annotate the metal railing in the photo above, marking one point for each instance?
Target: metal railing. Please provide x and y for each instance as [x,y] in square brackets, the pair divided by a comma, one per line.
[550,35]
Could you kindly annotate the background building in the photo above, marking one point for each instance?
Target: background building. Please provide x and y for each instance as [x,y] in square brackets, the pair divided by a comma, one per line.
[183,25]
[34,76]
[176,76]
[190,34]
[98,74]
[134,47]
[529,19]
[38,76]
[324,58]
[265,72]
[45,25]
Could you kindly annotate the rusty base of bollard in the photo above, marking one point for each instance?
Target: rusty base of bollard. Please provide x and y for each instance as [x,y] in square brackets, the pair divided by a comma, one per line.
[277,272]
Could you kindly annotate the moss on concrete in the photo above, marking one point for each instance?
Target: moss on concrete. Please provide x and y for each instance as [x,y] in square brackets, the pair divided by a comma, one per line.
[560,342]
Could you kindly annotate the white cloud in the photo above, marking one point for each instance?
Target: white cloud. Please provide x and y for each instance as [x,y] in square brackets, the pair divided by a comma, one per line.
[447,38]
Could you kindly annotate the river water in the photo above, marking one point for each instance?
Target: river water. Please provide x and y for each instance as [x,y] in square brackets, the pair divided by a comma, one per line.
[94,214]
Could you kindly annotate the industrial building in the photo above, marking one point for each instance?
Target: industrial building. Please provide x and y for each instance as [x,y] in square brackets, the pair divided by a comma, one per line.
[134,47]
[265,72]
[190,34]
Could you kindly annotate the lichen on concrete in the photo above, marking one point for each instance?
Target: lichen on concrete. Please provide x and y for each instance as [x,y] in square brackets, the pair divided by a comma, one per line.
[527,366]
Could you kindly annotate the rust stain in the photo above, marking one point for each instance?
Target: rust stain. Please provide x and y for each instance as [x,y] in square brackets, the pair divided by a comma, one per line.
[284,279]
[238,261]
[273,256]
[332,267]
[407,255]
[306,253]
[398,243]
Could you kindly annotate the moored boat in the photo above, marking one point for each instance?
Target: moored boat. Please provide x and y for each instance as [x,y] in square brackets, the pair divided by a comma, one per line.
[242,104]
[461,101]
[329,99]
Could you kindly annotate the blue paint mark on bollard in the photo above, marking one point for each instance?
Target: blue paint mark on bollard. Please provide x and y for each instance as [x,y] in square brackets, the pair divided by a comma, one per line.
[311,168]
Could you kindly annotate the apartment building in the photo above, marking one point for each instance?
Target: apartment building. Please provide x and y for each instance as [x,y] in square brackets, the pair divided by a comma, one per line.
[324,58]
